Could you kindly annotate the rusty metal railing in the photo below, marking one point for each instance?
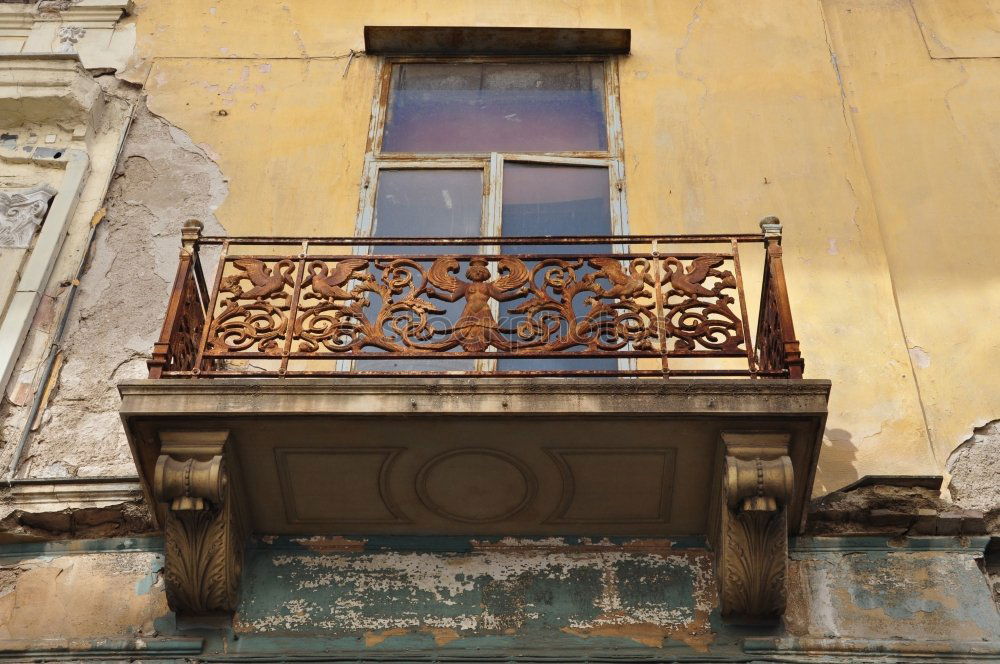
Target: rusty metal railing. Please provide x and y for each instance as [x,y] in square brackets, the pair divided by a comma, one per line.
[570,306]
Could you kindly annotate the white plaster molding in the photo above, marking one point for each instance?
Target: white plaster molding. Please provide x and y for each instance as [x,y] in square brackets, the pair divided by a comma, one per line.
[81,494]
[88,27]
[38,268]
[22,213]
[96,13]
[47,88]
[16,21]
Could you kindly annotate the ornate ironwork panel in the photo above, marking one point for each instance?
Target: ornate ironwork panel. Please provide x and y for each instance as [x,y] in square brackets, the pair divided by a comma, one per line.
[315,311]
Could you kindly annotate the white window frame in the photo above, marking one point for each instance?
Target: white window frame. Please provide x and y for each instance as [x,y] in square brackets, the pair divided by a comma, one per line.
[491,163]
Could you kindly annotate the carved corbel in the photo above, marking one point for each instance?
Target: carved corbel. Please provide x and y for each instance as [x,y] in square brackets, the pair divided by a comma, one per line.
[751,525]
[204,528]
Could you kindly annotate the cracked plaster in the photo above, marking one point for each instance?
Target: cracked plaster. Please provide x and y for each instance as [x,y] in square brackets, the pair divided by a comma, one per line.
[162,179]
[975,473]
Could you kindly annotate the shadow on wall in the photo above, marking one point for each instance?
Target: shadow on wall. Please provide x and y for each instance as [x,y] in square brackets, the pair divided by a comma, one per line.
[836,466]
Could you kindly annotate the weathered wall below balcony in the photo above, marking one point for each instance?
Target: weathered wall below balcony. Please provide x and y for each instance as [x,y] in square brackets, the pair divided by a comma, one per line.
[467,600]
[731,111]
[102,589]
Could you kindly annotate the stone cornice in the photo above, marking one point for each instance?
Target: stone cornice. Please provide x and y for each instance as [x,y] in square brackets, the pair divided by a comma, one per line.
[416,396]
[47,87]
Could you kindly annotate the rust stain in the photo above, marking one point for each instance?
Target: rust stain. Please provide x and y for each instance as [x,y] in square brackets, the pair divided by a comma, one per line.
[584,544]
[697,636]
[321,544]
[442,635]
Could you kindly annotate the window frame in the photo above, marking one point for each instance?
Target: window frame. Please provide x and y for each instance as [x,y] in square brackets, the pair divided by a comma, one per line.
[492,163]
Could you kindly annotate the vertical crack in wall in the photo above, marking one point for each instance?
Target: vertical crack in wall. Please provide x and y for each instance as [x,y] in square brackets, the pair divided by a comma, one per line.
[162,179]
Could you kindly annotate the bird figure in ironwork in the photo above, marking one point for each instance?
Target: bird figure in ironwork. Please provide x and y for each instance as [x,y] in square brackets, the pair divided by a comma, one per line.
[329,283]
[623,285]
[266,281]
[689,282]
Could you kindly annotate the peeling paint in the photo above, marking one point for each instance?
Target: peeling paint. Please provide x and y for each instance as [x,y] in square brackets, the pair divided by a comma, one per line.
[162,179]
[514,588]
[920,358]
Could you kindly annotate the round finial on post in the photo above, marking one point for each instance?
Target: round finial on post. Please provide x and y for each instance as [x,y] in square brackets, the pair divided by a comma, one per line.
[771,226]
[191,233]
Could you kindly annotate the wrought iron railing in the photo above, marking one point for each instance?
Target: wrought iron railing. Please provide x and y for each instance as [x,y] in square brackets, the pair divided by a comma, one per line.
[602,306]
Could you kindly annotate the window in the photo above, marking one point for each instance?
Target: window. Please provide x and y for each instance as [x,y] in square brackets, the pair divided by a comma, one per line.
[487,147]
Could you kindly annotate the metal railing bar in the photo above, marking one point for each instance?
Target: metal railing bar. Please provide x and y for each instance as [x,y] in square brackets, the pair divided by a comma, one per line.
[438,241]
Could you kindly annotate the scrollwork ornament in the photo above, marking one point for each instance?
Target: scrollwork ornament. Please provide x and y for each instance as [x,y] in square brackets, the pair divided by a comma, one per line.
[454,305]
[21,214]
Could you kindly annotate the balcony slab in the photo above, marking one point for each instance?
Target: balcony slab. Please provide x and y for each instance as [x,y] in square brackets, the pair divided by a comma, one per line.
[730,460]
[478,456]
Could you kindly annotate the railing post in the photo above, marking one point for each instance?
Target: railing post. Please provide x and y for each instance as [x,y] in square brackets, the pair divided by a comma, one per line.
[190,234]
[771,227]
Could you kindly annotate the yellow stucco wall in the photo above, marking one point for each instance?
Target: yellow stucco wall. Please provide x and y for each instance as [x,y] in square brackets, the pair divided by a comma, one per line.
[928,129]
[731,111]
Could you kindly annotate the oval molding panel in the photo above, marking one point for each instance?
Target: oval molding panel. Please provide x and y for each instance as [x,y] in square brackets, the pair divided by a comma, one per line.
[477,485]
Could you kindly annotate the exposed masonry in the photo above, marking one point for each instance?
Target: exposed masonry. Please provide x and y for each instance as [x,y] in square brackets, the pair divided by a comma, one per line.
[161,180]
[885,508]
[113,521]
[975,473]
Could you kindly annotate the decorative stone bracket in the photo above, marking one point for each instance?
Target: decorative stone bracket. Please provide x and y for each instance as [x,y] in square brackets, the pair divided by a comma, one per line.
[203,525]
[750,535]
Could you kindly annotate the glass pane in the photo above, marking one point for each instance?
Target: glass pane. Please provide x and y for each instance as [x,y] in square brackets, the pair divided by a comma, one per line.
[445,202]
[496,107]
[541,199]
[557,201]
[425,203]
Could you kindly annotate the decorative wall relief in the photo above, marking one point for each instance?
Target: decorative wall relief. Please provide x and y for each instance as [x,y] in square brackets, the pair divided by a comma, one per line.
[204,529]
[22,213]
[751,531]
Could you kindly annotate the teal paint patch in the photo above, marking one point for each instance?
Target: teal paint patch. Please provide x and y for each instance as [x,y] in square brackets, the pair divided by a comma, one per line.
[801,548]
[22,550]
[504,597]
[144,586]
[898,596]
[911,594]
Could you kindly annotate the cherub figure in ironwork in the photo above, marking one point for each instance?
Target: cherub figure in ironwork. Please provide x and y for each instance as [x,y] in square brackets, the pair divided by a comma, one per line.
[476,328]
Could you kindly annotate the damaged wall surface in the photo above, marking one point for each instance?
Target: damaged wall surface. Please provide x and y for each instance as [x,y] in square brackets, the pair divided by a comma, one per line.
[474,600]
[211,94]
[868,126]
[161,180]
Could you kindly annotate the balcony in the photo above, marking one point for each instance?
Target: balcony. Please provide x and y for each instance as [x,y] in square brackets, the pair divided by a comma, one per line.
[584,386]
[350,307]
